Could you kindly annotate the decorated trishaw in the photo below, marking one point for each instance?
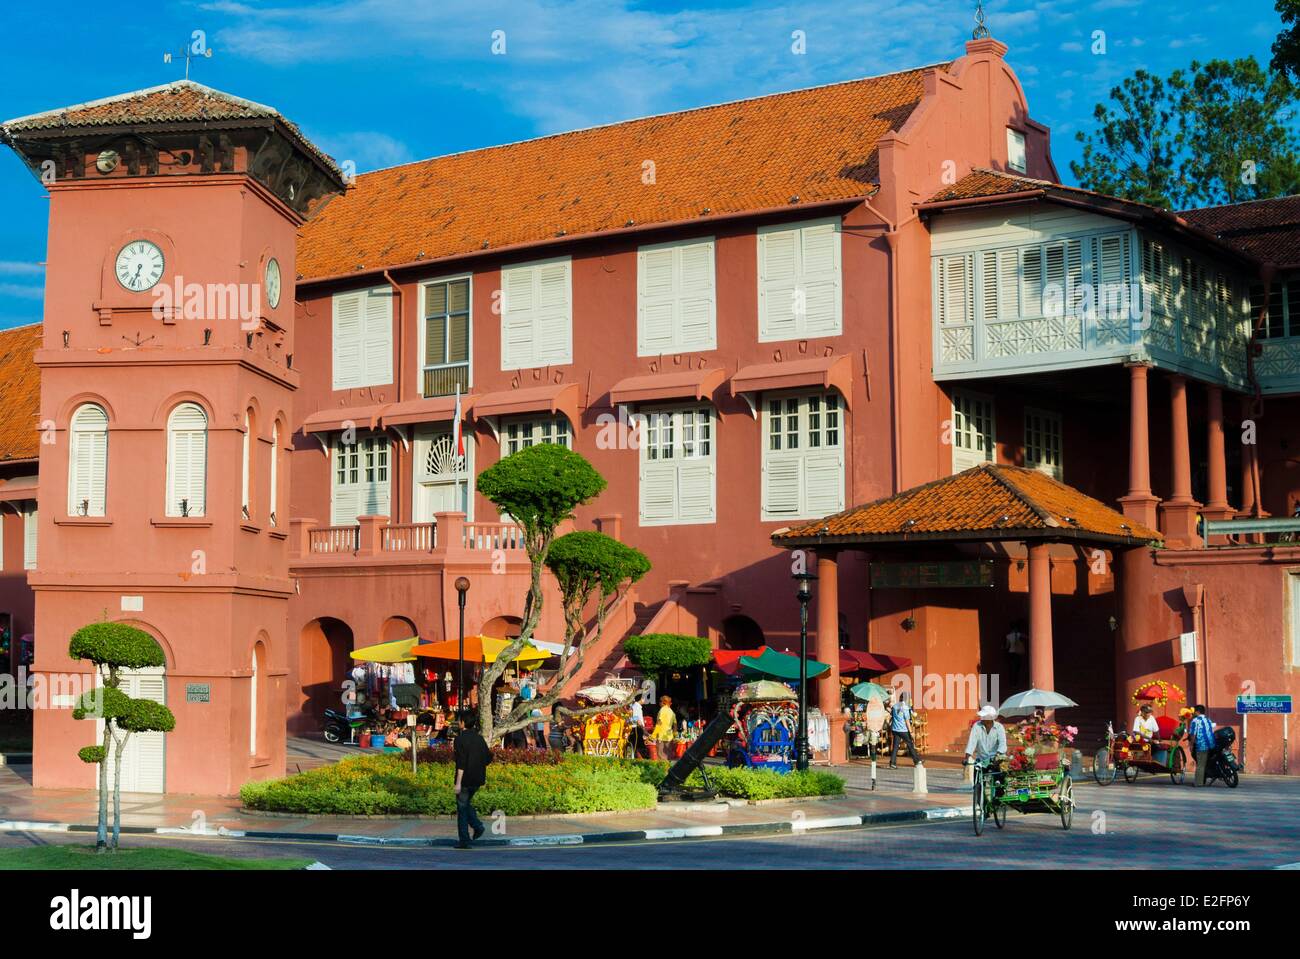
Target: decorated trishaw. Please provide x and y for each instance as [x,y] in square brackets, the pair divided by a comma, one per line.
[1133,753]
[607,732]
[1034,776]
[766,715]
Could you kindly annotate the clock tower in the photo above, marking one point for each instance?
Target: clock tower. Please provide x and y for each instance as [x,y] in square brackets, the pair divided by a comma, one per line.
[167,373]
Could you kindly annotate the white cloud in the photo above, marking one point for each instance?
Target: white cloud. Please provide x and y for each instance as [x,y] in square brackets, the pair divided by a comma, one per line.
[20,268]
[367,149]
[21,292]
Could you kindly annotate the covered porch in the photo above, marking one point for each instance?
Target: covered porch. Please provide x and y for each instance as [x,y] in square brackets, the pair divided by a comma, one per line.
[959,549]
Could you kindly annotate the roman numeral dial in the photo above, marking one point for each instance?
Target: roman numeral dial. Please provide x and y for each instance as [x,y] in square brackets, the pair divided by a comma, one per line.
[139,266]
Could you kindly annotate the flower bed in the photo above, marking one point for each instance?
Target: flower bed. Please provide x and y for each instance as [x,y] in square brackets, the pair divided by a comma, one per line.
[383,785]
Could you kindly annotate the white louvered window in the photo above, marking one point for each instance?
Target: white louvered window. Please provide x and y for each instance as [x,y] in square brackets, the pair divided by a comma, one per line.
[1016,151]
[522,433]
[972,430]
[1113,270]
[676,302]
[799,281]
[803,455]
[29,535]
[955,289]
[87,461]
[187,461]
[361,479]
[363,338]
[246,469]
[678,466]
[1043,441]
[536,314]
[274,498]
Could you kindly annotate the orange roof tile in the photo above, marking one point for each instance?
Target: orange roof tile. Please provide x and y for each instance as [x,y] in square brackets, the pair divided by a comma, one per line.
[987,502]
[1267,229]
[20,393]
[817,145]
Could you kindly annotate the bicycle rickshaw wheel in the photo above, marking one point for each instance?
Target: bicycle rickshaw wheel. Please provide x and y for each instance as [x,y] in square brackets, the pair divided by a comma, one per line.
[977,802]
[1000,815]
[1067,802]
[1103,768]
[1177,774]
[1133,770]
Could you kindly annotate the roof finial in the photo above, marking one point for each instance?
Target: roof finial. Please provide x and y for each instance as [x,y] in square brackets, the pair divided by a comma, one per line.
[196,48]
[981,31]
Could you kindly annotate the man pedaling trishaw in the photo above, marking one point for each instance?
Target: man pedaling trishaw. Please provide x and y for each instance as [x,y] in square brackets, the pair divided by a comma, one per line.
[1040,784]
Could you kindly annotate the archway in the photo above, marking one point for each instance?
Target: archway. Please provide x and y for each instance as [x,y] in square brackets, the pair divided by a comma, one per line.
[323,665]
[503,627]
[741,632]
[395,628]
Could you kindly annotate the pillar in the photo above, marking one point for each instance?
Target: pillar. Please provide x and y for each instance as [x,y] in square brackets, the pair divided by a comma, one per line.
[1041,671]
[1217,508]
[828,650]
[1179,512]
[1139,504]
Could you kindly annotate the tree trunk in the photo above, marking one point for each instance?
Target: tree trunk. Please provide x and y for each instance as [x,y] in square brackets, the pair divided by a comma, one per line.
[117,788]
[101,832]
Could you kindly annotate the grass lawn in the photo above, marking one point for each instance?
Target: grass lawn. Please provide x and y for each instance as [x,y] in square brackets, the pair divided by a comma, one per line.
[85,858]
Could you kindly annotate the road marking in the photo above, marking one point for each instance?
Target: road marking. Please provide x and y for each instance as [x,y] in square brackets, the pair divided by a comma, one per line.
[1290,865]
[15,825]
[571,840]
[317,865]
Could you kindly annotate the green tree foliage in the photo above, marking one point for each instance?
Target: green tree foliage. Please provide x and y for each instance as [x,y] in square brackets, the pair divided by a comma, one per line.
[653,652]
[113,647]
[1286,48]
[1218,132]
[539,487]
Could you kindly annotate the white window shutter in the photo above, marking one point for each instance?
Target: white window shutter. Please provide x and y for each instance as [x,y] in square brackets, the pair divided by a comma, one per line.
[782,490]
[778,257]
[349,370]
[187,455]
[29,536]
[518,310]
[88,461]
[658,492]
[956,291]
[1031,282]
[377,342]
[824,483]
[344,505]
[554,330]
[819,279]
[695,490]
[698,303]
[657,300]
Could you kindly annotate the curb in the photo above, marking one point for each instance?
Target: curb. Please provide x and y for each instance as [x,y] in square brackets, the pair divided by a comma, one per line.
[798,825]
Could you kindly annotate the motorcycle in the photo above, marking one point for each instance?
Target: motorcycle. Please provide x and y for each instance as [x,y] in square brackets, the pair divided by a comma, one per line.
[338,727]
[1221,763]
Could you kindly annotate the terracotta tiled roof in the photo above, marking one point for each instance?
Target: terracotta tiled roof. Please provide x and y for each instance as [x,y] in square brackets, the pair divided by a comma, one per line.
[987,502]
[982,183]
[1266,229]
[20,393]
[179,102]
[817,145]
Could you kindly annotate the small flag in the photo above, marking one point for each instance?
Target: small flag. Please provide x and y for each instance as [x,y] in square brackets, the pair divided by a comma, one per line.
[457,436]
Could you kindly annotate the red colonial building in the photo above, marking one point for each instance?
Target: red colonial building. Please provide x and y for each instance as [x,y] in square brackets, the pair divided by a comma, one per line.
[751,318]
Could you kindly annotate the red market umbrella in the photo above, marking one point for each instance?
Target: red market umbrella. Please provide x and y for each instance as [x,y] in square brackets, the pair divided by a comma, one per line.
[728,660]
[859,661]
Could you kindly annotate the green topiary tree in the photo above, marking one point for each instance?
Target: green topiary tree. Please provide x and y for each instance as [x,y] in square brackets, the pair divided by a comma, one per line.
[653,652]
[113,647]
[539,487]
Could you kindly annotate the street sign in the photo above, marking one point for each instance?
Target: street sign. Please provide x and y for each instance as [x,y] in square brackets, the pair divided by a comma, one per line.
[1187,647]
[940,574]
[1263,704]
[198,692]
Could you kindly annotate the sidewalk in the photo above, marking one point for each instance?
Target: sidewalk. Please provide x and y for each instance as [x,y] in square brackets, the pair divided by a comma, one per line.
[24,809]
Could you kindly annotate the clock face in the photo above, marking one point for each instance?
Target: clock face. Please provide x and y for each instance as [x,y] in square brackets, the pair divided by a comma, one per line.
[139,265]
[273,282]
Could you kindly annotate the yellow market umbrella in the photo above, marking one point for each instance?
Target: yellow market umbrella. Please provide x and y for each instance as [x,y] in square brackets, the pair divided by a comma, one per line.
[480,649]
[398,651]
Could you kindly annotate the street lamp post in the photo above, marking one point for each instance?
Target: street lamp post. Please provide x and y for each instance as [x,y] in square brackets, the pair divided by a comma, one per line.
[801,739]
[462,587]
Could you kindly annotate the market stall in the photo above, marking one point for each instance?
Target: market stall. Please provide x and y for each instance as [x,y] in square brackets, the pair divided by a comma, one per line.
[766,717]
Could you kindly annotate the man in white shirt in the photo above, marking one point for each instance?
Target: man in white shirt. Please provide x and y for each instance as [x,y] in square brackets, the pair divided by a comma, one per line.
[1145,725]
[988,737]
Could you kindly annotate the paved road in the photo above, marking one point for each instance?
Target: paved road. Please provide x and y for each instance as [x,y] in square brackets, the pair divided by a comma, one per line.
[1151,824]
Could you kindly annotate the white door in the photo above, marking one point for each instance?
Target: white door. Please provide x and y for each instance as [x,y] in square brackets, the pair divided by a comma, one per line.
[442,478]
[144,759]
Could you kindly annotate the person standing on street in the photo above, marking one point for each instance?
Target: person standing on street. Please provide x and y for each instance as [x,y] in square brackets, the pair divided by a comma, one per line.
[665,730]
[900,725]
[1201,733]
[472,758]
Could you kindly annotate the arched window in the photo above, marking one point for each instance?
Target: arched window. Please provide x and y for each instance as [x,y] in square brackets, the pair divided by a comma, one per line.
[275,473]
[254,695]
[246,470]
[87,461]
[187,461]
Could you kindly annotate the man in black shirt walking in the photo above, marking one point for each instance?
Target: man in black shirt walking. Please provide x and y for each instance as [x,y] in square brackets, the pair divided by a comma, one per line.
[472,758]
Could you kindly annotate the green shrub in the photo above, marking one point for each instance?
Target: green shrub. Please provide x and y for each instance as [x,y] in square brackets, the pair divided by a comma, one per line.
[116,644]
[655,651]
[758,784]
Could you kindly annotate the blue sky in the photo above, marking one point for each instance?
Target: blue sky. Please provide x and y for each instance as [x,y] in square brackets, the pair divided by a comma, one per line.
[382,82]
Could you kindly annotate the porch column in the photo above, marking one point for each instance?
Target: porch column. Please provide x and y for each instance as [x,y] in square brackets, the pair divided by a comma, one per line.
[828,650]
[1041,671]
[1217,508]
[1139,504]
[1179,511]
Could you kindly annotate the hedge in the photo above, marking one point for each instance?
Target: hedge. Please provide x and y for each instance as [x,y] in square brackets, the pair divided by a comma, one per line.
[655,651]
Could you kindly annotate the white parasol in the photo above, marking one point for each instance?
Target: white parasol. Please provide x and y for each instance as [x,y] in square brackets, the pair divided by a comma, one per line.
[1023,704]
